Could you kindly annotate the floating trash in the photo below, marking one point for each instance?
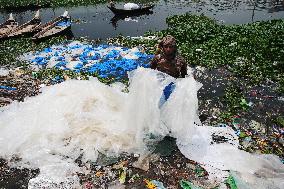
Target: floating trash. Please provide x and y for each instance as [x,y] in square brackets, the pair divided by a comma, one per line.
[144,38]
[4,72]
[154,184]
[122,176]
[8,88]
[159,185]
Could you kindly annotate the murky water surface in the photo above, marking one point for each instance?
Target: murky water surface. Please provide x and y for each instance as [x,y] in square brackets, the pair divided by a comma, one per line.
[99,22]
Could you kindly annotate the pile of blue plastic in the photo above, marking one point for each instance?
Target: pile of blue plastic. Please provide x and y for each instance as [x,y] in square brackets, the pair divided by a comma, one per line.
[102,60]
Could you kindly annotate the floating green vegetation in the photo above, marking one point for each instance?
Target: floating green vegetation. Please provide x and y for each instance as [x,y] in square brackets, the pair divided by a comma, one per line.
[53,75]
[23,3]
[280,88]
[148,45]
[234,100]
[254,51]
[12,48]
[14,4]
[280,121]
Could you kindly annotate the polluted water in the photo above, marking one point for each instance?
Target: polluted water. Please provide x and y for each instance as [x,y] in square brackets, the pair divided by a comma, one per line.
[80,118]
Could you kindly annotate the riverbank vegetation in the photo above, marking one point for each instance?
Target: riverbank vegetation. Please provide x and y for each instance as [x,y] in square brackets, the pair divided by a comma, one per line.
[14,4]
[29,4]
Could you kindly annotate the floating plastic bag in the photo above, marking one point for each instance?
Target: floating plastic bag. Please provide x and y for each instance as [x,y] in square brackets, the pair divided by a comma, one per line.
[131,6]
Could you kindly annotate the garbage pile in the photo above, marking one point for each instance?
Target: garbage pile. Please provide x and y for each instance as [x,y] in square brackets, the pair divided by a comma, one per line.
[16,85]
[166,172]
[102,60]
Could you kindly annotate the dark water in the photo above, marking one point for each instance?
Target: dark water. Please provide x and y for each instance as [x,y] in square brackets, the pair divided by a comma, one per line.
[95,21]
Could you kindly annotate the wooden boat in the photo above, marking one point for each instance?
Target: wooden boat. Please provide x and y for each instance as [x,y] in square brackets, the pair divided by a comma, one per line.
[7,26]
[54,27]
[143,9]
[28,27]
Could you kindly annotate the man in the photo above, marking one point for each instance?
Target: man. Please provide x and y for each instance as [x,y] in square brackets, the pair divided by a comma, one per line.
[168,60]
[111,4]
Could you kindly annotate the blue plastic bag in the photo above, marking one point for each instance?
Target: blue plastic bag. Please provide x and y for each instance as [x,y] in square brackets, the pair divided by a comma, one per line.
[78,66]
[8,88]
[47,50]
[167,91]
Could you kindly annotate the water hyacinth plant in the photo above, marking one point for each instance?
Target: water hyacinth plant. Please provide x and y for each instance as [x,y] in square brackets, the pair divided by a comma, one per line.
[12,48]
[255,51]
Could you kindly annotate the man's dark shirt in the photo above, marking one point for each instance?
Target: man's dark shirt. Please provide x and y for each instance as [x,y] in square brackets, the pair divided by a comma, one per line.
[175,67]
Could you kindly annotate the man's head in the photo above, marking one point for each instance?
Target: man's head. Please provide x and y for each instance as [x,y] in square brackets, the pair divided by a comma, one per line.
[168,45]
[111,3]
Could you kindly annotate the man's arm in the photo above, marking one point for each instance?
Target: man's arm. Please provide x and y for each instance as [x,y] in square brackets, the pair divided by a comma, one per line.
[183,71]
[182,67]
[154,62]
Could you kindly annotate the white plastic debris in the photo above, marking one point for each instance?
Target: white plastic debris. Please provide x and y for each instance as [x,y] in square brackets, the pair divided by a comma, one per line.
[127,19]
[233,44]
[147,37]
[4,72]
[56,176]
[131,6]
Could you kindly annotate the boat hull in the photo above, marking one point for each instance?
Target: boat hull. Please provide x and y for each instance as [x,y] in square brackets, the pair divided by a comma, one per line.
[27,29]
[53,29]
[131,12]
[54,33]
[7,26]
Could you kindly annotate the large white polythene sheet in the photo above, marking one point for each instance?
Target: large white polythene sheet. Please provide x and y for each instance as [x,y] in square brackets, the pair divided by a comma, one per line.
[51,130]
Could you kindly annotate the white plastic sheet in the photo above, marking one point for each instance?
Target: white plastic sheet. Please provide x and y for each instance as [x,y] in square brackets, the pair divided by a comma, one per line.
[130,6]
